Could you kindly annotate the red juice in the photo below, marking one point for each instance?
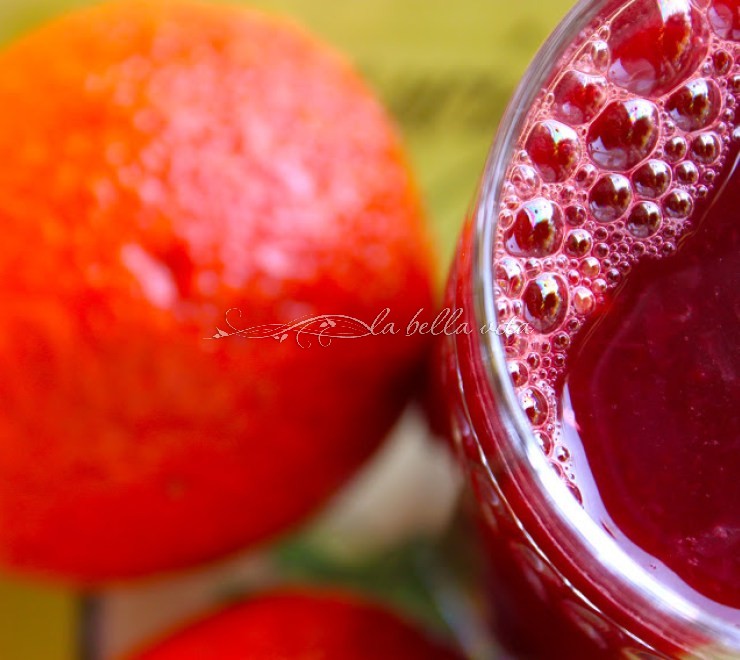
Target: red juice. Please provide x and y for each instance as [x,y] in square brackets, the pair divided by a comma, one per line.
[652,399]
[616,241]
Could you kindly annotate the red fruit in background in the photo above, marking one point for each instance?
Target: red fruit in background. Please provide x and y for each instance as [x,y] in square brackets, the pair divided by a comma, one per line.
[300,626]
[162,164]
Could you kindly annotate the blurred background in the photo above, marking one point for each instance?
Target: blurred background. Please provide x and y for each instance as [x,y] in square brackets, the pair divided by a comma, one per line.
[445,71]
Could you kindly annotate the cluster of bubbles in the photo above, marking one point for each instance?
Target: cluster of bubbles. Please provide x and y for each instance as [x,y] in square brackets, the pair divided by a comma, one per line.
[624,142]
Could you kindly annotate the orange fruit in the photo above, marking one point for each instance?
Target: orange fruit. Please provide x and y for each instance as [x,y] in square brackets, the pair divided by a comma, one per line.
[161,164]
[300,625]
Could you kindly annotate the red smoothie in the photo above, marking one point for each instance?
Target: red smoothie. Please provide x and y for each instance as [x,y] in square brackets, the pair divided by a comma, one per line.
[617,241]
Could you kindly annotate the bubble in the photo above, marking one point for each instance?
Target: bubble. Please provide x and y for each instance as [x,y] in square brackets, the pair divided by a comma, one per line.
[525,181]
[655,45]
[545,302]
[644,219]
[590,267]
[586,175]
[578,243]
[695,105]
[534,405]
[519,374]
[561,341]
[599,55]
[509,276]
[722,62]
[532,267]
[725,19]
[505,219]
[598,286]
[678,204]
[593,58]
[537,230]
[554,150]
[624,134]
[513,347]
[514,344]
[652,179]
[675,149]
[601,233]
[734,85]
[583,300]
[578,97]
[610,197]
[567,193]
[561,453]
[601,250]
[705,148]
[687,173]
[544,441]
[533,360]
[575,215]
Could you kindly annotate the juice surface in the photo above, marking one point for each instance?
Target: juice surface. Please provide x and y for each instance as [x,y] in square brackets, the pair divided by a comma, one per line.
[653,392]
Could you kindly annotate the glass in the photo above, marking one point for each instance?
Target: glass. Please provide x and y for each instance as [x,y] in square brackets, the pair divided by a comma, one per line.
[556,580]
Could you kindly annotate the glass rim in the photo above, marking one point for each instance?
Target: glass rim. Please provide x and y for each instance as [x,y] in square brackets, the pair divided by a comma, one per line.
[622,568]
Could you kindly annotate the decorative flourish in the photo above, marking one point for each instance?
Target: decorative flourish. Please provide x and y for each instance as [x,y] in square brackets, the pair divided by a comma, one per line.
[325,328]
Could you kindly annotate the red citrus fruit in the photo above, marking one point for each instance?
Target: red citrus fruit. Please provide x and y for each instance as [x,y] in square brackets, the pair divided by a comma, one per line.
[161,164]
[300,626]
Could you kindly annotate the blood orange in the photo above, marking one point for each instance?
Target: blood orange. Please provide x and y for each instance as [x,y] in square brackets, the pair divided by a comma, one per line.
[163,163]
